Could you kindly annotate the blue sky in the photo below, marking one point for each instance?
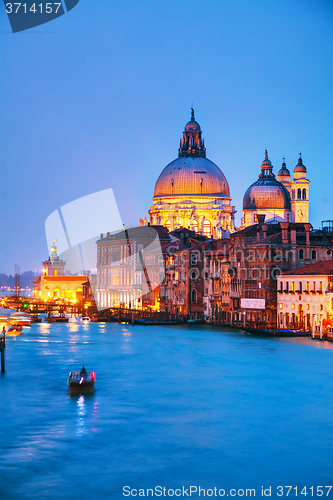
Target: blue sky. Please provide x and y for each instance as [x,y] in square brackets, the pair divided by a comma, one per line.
[99,98]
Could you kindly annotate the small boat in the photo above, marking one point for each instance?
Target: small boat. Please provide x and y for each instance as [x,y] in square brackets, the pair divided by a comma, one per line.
[35,318]
[56,319]
[14,330]
[80,382]
[85,319]
[270,332]
[19,319]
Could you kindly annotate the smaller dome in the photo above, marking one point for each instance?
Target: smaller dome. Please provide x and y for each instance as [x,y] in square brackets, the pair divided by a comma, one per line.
[284,172]
[300,167]
[266,194]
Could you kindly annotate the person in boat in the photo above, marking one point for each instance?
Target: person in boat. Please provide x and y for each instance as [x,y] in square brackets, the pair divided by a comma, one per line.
[83,372]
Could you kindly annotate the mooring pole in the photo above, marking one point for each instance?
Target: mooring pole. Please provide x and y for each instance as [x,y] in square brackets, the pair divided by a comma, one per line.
[2,349]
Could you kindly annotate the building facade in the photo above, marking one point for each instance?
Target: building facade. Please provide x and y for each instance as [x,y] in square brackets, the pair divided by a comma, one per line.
[55,285]
[130,267]
[305,297]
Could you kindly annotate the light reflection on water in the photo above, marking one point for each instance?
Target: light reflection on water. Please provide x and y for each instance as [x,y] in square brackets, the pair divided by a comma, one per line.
[172,405]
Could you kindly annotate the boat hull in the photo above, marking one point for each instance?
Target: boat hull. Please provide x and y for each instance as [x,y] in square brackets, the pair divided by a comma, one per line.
[77,388]
[277,333]
[51,319]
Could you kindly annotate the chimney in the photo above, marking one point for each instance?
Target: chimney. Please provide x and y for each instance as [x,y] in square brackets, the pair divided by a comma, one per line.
[264,230]
[293,235]
[307,227]
[261,220]
[284,226]
[101,236]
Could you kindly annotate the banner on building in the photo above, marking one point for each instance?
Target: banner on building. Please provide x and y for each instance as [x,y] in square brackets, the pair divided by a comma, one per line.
[253,303]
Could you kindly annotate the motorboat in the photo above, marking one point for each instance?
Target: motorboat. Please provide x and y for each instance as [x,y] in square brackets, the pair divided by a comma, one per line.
[14,331]
[81,382]
[19,319]
[85,319]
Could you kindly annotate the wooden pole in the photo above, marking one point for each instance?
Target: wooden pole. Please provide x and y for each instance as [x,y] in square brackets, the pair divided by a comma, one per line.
[2,349]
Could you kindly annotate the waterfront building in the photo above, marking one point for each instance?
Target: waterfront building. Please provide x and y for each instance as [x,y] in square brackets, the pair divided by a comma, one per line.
[282,199]
[129,269]
[54,284]
[217,281]
[305,297]
[192,192]
[181,292]
[259,254]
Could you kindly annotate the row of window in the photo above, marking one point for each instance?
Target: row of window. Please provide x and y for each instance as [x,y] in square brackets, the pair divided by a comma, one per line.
[301,194]
[207,227]
[313,287]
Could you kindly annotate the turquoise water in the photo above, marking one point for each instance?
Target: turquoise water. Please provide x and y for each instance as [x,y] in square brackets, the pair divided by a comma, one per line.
[173,406]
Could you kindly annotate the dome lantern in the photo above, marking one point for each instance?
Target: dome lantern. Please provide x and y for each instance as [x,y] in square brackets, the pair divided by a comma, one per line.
[192,143]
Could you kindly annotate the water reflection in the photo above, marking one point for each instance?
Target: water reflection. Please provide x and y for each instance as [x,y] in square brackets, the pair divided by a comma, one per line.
[81,427]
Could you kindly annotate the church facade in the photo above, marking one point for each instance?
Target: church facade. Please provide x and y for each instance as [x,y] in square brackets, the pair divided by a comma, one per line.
[192,191]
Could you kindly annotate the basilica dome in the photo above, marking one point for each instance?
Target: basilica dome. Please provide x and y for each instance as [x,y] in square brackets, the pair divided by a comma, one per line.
[192,176]
[266,192]
[192,173]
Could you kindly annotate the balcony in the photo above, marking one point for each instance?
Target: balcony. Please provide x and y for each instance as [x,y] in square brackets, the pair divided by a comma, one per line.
[215,276]
[170,267]
[175,282]
[234,294]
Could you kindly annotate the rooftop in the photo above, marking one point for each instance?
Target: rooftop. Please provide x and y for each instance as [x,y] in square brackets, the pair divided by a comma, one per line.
[323,267]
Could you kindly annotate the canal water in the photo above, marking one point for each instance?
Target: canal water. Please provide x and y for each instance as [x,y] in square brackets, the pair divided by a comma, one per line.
[173,407]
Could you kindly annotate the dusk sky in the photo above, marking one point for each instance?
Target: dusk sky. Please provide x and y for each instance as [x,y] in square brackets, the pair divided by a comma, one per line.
[99,98]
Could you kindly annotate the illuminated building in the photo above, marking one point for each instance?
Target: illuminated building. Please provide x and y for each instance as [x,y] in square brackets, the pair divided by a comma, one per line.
[54,284]
[123,278]
[305,297]
[281,199]
[192,192]
[259,254]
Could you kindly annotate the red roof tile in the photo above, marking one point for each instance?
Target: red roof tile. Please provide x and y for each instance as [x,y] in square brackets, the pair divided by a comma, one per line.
[323,267]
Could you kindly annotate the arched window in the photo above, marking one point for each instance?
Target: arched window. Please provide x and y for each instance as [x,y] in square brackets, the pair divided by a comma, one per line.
[56,292]
[168,225]
[206,228]
[194,295]
[313,254]
[301,253]
[293,194]
[304,194]
[195,226]
[299,194]
[193,275]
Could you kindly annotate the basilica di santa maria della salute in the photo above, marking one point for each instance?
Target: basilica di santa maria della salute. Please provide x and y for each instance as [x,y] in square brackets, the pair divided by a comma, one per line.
[193,192]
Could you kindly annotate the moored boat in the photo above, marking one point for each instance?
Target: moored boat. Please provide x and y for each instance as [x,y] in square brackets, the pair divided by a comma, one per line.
[56,319]
[80,382]
[270,332]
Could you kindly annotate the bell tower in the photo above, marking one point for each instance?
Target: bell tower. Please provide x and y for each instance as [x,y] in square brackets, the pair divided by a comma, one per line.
[299,186]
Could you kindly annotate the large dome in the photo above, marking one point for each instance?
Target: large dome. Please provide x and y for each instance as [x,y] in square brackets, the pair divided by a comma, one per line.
[266,192]
[192,175]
